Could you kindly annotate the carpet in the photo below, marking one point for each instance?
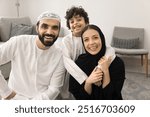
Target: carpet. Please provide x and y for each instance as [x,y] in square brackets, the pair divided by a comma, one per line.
[136,87]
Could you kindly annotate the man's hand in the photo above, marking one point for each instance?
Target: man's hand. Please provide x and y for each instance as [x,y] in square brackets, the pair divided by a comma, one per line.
[10,96]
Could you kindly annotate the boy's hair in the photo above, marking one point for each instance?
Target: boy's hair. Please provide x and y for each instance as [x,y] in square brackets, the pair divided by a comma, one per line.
[74,11]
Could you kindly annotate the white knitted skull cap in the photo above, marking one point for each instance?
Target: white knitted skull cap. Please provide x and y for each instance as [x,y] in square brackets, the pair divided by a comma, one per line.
[48,15]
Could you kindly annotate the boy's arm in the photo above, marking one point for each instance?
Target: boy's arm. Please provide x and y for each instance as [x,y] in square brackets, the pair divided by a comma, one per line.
[74,70]
[70,65]
[110,52]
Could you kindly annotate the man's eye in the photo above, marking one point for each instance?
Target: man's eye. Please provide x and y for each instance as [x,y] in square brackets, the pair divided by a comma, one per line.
[44,26]
[55,27]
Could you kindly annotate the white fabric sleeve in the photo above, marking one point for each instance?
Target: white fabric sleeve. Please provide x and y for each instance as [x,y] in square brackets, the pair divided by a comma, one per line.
[19,97]
[70,65]
[5,91]
[56,83]
[8,50]
[74,70]
[110,52]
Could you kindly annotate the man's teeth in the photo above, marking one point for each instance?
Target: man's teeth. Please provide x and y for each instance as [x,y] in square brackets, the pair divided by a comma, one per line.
[92,48]
[48,37]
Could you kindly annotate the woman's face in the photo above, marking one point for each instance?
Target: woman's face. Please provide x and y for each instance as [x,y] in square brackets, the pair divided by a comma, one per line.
[92,41]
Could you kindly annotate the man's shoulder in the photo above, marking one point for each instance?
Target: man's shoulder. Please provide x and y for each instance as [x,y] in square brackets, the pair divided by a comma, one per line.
[67,37]
[24,37]
[57,47]
[21,39]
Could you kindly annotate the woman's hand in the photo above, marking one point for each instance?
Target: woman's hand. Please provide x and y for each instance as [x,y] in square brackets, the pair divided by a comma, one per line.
[95,76]
[104,65]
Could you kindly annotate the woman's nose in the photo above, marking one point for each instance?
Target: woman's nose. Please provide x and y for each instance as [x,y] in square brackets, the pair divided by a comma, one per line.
[90,41]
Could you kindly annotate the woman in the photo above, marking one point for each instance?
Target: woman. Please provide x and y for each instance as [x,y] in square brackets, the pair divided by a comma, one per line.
[106,80]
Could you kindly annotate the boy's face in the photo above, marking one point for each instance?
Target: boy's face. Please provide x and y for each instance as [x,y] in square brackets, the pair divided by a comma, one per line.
[77,23]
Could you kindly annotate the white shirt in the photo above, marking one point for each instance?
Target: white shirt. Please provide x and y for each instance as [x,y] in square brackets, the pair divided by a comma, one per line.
[35,73]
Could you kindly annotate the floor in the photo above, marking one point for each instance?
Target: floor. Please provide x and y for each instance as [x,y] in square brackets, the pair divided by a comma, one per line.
[137,85]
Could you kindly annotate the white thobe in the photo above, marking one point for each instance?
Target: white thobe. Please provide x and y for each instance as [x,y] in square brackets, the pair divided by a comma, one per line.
[35,73]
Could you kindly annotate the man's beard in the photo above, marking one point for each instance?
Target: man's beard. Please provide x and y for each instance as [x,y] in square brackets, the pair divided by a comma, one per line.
[49,43]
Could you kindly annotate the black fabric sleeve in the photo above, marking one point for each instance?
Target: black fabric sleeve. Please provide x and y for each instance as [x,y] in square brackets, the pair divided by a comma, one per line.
[78,90]
[107,92]
[117,74]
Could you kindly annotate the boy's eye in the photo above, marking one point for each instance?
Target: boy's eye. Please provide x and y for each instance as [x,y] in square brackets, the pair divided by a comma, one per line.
[71,21]
[79,19]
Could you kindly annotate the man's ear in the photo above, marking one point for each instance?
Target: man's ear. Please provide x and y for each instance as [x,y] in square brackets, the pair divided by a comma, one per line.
[36,28]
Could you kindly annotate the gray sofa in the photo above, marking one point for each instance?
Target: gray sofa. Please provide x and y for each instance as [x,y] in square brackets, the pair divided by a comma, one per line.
[10,27]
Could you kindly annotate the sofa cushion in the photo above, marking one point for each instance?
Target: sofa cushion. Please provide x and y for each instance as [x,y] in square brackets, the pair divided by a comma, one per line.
[20,29]
[125,43]
[5,26]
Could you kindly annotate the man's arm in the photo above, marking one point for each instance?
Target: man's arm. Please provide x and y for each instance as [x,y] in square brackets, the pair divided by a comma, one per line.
[7,52]
[5,91]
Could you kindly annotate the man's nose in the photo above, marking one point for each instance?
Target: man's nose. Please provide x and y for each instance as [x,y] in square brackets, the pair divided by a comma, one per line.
[49,30]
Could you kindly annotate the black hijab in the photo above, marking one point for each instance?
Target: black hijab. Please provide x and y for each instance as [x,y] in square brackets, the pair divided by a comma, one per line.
[87,62]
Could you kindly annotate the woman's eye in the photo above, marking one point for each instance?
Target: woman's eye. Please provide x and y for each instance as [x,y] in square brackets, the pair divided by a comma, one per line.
[95,37]
[85,40]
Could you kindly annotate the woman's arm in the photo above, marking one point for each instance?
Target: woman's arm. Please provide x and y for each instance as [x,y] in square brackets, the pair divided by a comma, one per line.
[117,76]
[78,89]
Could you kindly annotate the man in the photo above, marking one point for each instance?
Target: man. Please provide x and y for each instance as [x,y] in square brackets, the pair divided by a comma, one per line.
[37,67]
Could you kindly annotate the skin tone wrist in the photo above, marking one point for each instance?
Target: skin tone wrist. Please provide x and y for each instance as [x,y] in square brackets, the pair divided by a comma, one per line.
[88,87]
[10,96]
[106,79]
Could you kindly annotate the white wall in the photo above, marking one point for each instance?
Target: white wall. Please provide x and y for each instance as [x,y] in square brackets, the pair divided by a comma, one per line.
[7,8]
[104,13]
